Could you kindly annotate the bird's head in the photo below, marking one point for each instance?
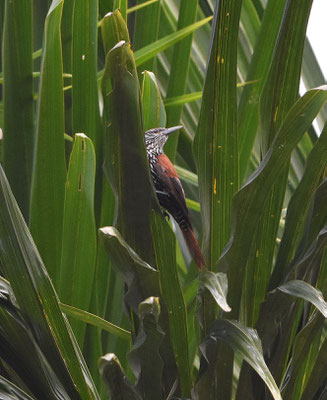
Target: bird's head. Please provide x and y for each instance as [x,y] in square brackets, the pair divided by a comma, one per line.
[157,137]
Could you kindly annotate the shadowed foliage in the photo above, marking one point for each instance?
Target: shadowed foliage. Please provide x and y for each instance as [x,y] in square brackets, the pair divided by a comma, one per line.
[99,295]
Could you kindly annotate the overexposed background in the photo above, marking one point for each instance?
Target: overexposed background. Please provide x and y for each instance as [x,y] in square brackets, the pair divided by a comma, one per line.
[317,32]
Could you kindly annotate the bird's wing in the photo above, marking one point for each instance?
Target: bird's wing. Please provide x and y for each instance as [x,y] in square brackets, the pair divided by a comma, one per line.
[171,196]
[172,186]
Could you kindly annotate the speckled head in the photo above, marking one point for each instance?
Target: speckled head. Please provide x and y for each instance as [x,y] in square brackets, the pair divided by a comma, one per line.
[156,138]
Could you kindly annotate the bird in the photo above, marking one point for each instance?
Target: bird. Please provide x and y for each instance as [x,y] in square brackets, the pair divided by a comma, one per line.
[169,189]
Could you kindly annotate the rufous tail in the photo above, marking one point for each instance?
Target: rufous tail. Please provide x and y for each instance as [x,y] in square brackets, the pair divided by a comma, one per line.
[193,246]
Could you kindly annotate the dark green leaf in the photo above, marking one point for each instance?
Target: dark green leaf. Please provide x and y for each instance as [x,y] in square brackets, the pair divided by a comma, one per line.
[21,353]
[173,297]
[216,137]
[179,70]
[144,358]
[298,207]
[258,71]
[246,342]
[37,299]
[113,29]
[79,231]
[278,95]
[248,203]
[84,68]
[122,6]
[149,51]
[18,124]
[49,175]
[317,382]
[9,391]
[119,386]
[142,282]
[146,33]
[282,85]
[154,114]
[140,277]
[126,160]
[306,341]
[140,6]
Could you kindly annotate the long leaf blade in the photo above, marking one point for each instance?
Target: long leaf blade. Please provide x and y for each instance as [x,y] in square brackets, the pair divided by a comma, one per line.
[173,297]
[18,100]
[126,158]
[216,137]
[248,202]
[179,71]
[95,320]
[149,51]
[85,108]
[37,299]
[79,231]
[49,173]
[245,341]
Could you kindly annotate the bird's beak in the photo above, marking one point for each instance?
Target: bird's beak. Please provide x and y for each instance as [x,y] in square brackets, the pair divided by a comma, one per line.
[168,131]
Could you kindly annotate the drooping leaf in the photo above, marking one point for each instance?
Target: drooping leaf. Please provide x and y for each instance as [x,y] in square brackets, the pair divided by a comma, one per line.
[246,342]
[217,286]
[9,391]
[306,341]
[37,299]
[278,305]
[297,208]
[306,292]
[21,353]
[140,277]
[276,101]
[250,199]
[279,316]
[95,320]
[142,282]
[317,382]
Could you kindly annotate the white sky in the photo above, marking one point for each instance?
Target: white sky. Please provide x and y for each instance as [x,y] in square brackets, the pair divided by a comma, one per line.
[317,32]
